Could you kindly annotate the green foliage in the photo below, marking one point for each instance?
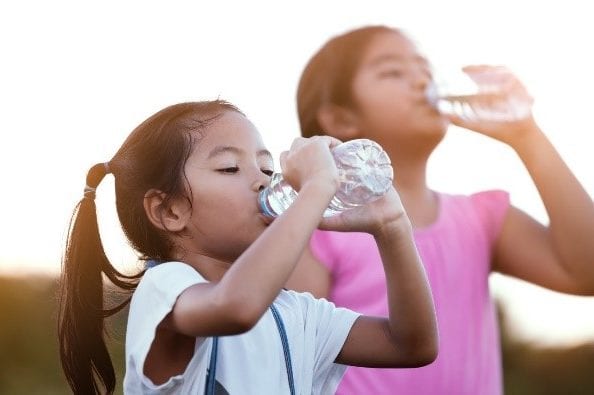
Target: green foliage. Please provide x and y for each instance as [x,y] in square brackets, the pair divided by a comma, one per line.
[29,362]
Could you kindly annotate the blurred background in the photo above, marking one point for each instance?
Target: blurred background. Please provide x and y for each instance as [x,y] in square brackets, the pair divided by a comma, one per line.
[77,77]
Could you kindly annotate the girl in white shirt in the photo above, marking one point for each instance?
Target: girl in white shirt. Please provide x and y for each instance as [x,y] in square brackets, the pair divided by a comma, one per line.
[211,316]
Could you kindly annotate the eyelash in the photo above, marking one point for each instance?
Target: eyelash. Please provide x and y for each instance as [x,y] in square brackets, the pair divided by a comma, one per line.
[229,170]
[400,72]
[233,170]
[391,73]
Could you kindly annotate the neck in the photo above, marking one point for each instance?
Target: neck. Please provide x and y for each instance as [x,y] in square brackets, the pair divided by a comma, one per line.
[410,180]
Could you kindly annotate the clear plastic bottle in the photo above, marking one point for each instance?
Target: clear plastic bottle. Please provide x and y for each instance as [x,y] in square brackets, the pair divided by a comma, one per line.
[365,174]
[479,95]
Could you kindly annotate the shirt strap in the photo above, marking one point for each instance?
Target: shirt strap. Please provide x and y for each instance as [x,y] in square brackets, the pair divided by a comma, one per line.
[210,378]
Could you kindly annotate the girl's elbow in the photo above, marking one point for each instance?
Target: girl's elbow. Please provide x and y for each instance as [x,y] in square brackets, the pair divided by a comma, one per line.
[242,315]
[418,357]
[421,352]
[242,322]
[427,355]
[430,351]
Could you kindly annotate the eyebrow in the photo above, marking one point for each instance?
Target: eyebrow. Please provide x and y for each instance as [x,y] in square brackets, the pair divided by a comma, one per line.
[221,149]
[396,58]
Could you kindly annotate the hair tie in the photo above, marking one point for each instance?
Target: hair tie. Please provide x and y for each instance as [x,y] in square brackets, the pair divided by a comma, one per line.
[89,192]
[94,177]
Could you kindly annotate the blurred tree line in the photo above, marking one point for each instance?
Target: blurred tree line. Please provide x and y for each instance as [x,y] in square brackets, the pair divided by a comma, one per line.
[29,362]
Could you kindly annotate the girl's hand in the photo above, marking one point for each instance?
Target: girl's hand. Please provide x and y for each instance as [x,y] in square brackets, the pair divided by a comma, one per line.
[508,87]
[371,218]
[310,160]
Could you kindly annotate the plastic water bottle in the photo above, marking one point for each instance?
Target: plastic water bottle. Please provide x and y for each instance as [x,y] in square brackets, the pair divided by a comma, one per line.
[479,95]
[365,174]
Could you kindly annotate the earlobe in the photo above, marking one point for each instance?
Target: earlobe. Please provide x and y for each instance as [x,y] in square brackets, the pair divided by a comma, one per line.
[339,122]
[168,216]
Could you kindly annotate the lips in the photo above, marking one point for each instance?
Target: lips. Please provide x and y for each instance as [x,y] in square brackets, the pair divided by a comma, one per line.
[266,219]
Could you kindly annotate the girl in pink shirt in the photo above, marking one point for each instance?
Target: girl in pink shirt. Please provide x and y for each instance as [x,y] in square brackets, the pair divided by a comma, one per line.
[371,82]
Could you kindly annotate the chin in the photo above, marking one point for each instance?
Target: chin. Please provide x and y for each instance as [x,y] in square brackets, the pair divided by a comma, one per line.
[437,128]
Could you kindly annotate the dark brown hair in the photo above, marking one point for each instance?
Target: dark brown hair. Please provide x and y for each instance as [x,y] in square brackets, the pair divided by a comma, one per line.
[328,76]
[152,157]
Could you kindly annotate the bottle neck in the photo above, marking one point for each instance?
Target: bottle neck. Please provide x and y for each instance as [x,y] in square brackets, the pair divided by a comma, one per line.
[276,197]
[264,204]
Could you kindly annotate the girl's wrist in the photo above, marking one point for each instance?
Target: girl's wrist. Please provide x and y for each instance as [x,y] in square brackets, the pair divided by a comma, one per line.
[527,139]
[398,227]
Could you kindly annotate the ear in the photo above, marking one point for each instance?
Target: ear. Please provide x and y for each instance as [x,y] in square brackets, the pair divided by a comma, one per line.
[339,122]
[171,217]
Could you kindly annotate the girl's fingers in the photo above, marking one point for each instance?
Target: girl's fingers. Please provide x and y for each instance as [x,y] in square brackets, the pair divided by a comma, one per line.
[283,159]
[328,140]
[333,142]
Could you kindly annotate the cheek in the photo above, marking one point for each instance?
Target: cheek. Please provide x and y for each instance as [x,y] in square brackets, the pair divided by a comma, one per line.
[227,207]
[384,111]
[214,207]
[386,99]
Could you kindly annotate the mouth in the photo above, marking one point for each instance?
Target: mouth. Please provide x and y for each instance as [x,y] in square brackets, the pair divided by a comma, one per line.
[266,219]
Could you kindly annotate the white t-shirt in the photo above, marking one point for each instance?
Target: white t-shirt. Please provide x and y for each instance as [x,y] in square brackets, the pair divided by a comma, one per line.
[250,363]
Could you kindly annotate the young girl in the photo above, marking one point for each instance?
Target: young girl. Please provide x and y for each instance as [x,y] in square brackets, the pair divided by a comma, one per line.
[213,308]
[371,82]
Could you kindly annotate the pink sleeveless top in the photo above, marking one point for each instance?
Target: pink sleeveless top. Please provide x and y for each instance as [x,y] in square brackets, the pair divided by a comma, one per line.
[456,251]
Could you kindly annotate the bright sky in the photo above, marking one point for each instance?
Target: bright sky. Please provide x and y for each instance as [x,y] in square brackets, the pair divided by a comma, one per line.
[77,77]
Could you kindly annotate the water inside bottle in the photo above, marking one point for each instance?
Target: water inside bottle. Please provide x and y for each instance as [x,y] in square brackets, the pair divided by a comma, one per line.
[277,198]
[476,97]
[365,174]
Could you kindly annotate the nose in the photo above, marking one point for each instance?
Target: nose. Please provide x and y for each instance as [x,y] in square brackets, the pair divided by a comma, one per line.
[261,182]
[421,79]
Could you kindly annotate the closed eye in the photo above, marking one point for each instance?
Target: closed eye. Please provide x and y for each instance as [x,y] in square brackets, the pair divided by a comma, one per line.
[268,172]
[391,73]
[229,170]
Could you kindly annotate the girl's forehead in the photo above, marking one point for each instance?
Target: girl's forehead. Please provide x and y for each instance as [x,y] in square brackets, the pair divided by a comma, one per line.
[390,47]
[232,129]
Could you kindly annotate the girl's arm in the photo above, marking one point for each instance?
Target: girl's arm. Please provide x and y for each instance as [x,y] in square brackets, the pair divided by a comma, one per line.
[559,256]
[236,303]
[408,337]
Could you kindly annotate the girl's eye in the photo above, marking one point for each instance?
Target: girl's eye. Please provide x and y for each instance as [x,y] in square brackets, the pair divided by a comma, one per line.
[268,172]
[391,73]
[229,170]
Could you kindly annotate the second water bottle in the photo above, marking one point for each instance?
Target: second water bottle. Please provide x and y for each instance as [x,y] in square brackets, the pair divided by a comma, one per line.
[479,94]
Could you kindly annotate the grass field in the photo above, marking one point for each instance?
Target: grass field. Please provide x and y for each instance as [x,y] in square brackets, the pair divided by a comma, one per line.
[29,362]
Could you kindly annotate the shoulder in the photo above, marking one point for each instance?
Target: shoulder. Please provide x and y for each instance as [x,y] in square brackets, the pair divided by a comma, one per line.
[489,202]
[304,306]
[490,198]
[168,278]
[153,299]
[160,287]
[479,200]
[167,272]
[484,210]
[491,206]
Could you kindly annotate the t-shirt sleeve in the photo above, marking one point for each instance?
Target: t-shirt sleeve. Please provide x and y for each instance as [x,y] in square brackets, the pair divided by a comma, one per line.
[331,327]
[152,301]
[491,207]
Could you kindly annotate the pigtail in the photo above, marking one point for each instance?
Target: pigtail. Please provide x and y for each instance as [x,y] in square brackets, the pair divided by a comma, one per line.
[83,350]
[152,157]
